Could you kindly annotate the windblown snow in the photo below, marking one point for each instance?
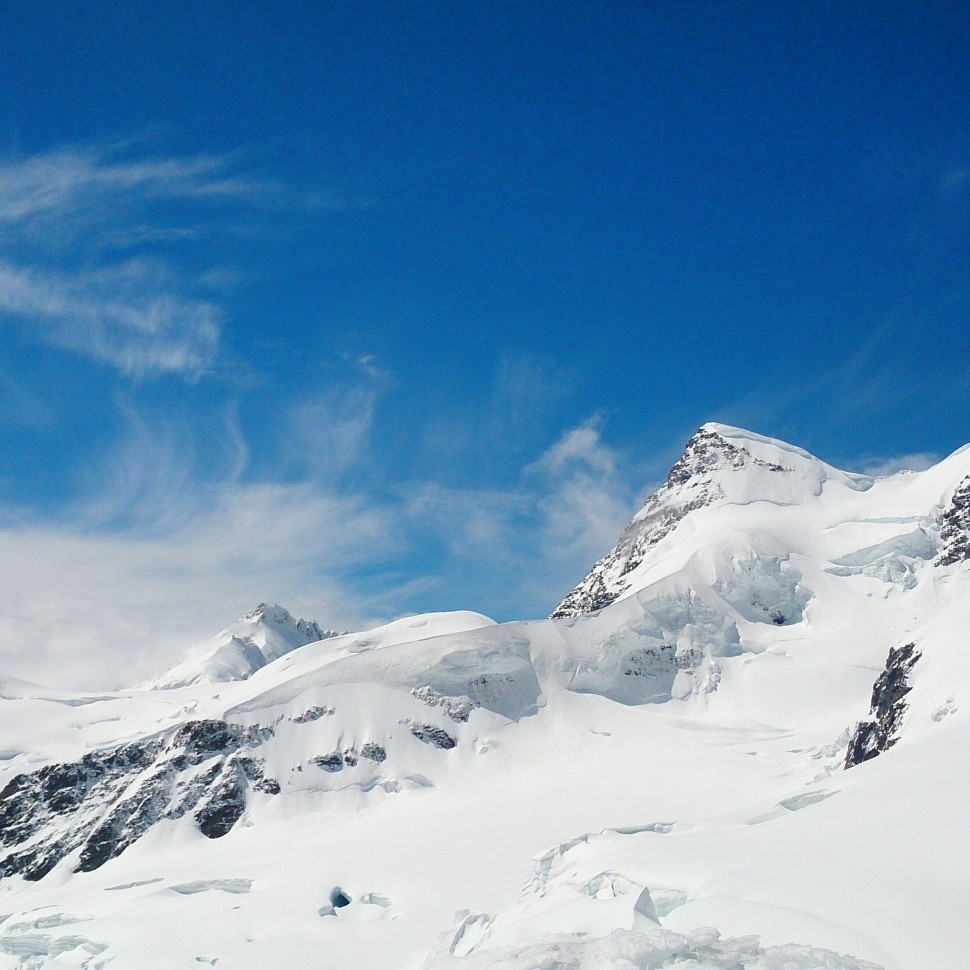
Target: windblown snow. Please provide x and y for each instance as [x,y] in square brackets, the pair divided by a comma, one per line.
[740,742]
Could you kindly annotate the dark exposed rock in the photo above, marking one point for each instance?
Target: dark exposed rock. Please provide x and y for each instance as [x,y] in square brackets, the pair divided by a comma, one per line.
[225,802]
[955,527]
[432,735]
[101,804]
[312,714]
[329,762]
[690,485]
[255,734]
[33,864]
[204,737]
[338,760]
[886,709]
[373,752]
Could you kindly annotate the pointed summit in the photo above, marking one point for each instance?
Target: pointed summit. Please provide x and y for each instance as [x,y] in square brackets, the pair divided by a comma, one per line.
[721,465]
[292,631]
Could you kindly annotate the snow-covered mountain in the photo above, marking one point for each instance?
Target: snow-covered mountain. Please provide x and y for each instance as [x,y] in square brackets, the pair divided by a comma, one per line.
[264,634]
[720,467]
[740,742]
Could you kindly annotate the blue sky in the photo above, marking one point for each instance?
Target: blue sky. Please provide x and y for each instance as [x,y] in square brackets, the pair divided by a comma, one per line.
[375,308]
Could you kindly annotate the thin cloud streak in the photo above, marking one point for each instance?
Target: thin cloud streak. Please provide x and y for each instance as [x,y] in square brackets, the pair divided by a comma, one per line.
[129,316]
[78,183]
[130,304]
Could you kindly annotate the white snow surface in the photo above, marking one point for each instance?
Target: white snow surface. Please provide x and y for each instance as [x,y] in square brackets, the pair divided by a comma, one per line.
[656,784]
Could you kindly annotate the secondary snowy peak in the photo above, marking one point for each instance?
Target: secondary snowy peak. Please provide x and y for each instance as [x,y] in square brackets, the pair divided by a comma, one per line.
[263,635]
[720,465]
[271,617]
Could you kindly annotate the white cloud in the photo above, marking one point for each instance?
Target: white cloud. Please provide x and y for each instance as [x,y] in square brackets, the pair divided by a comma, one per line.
[172,539]
[916,462]
[583,502]
[90,609]
[579,450]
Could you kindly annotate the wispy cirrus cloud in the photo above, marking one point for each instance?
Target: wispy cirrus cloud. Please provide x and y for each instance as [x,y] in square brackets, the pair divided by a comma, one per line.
[105,608]
[180,524]
[133,315]
[528,544]
[92,187]
[86,257]
[328,433]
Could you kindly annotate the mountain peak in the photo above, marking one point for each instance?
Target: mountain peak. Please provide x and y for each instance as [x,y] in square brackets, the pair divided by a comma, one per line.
[298,632]
[264,634]
[273,611]
[709,450]
[720,465]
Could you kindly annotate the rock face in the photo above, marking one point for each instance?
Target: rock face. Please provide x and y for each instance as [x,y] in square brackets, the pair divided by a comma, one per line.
[955,530]
[879,732]
[691,484]
[93,809]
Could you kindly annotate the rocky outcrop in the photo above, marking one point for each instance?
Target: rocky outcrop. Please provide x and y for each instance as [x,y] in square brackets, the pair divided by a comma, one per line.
[313,714]
[690,485]
[458,708]
[880,732]
[955,527]
[93,809]
[349,757]
[435,736]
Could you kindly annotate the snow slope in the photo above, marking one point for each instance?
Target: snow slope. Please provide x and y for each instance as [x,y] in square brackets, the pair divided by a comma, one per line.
[656,774]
